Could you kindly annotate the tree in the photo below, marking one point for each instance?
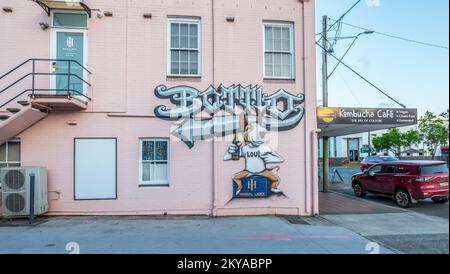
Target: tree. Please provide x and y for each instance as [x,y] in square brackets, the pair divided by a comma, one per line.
[433,131]
[395,141]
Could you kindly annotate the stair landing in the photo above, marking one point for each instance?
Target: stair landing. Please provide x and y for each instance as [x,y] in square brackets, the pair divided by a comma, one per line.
[57,103]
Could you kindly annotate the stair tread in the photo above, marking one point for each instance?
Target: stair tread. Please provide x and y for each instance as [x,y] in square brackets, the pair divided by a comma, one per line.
[23,103]
[13,110]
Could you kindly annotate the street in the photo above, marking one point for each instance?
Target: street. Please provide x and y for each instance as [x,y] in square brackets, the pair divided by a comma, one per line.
[411,230]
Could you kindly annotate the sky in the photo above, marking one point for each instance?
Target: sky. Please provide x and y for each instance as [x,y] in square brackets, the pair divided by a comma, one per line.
[416,75]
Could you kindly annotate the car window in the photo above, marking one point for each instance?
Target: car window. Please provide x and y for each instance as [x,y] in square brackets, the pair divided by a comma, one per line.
[376,169]
[437,169]
[388,169]
[402,170]
[390,159]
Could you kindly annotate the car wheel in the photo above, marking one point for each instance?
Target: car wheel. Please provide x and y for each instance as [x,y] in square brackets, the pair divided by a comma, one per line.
[440,200]
[358,190]
[402,198]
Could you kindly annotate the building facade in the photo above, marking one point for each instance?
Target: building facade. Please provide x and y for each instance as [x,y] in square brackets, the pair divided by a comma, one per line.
[140,107]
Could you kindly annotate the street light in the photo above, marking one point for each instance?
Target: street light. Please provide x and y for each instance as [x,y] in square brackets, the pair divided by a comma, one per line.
[367,32]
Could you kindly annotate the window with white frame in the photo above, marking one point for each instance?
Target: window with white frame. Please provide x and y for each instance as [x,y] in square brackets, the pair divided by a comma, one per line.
[10,154]
[279,51]
[154,161]
[184,47]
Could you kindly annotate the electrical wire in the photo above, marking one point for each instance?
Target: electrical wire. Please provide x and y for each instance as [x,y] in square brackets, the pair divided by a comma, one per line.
[343,56]
[362,77]
[396,36]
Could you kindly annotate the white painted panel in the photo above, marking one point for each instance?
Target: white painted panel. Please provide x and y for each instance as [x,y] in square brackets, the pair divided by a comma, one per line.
[95,169]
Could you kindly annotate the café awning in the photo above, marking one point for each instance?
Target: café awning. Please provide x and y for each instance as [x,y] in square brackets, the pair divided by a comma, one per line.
[49,5]
[334,122]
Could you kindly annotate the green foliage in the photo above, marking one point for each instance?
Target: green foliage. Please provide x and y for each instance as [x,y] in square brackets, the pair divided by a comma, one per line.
[395,141]
[434,131]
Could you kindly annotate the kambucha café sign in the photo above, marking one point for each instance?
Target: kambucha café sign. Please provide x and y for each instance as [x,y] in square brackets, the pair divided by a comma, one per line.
[371,116]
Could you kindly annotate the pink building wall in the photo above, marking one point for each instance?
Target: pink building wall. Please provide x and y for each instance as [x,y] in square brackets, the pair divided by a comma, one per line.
[128,59]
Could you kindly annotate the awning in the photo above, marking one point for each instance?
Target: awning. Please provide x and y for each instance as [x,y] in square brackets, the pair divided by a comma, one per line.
[335,122]
[48,6]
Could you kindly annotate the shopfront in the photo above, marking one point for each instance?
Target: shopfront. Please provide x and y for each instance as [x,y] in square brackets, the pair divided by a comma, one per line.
[171,107]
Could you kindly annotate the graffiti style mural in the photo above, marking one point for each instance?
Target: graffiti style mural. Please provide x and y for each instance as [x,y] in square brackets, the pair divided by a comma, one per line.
[256,180]
[229,100]
[233,110]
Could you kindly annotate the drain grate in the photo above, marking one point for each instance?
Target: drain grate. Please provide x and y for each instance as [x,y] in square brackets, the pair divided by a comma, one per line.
[295,220]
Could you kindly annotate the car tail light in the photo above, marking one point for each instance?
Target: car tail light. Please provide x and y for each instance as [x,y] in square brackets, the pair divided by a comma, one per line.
[424,179]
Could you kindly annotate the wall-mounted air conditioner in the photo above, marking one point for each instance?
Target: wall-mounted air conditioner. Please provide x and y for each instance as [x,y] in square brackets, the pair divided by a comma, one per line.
[15,183]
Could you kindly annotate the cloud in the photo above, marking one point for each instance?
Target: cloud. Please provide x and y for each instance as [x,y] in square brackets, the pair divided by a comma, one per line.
[373,3]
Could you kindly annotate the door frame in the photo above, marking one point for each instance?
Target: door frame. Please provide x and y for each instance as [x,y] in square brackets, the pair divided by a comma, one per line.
[53,48]
[348,149]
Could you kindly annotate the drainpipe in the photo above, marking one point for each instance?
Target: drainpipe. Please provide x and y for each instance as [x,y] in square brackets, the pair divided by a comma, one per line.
[214,145]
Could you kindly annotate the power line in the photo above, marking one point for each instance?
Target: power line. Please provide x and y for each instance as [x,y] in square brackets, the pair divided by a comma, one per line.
[396,36]
[343,56]
[343,15]
[362,77]
[340,18]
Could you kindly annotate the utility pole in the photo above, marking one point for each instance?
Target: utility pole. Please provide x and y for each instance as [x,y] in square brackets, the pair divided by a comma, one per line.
[325,139]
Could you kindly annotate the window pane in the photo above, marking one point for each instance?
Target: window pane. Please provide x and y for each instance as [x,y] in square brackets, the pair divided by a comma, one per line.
[14,165]
[174,56]
[3,165]
[269,58]
[184,56]
[193,30]
[184,68]
[70,20]
[277,45]
[193,57]
[277,59]
[286,34]
[193,42]
[3,153]
[160,172]
[175,68]
[175,41]
[175,29]
[184,42]
[286,59]
[148,148]
[184,29]
[286,71]
[277,70]
[193,69]
[161,150]
[269,70]
[277,33]
[268,39]
[13,152]
[146,172]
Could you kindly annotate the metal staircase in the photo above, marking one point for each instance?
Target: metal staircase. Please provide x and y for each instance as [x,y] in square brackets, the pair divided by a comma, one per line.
[22,104]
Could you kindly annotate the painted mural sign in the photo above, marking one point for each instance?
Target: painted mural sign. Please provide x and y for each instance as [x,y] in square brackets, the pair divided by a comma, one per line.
[232,110]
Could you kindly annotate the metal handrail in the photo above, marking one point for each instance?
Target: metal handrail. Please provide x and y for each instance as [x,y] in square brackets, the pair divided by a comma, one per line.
[34,74]
[44,60]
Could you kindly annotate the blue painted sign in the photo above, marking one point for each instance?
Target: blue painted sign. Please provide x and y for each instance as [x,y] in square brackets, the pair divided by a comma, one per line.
[253,187]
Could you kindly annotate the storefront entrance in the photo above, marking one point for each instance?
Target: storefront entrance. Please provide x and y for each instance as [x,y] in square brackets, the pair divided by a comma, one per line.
[353,150]
[69,42]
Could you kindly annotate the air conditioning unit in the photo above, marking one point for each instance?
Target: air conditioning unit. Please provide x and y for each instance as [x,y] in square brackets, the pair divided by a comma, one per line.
[15,183]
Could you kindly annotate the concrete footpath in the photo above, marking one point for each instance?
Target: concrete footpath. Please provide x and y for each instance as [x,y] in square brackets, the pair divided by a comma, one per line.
[181,235]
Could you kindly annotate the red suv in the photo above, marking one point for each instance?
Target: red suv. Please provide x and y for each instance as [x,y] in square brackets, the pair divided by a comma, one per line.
[407,181]
[370,161]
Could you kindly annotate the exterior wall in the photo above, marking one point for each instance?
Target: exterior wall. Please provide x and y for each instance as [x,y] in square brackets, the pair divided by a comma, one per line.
[128,58]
